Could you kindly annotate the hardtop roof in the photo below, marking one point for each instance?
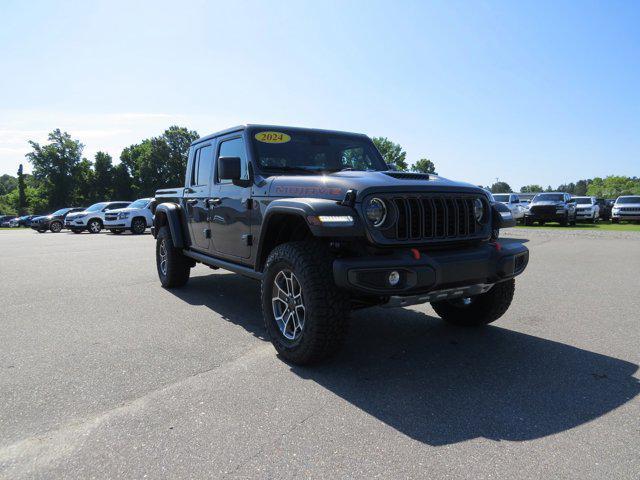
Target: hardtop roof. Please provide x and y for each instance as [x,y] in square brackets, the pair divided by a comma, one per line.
[240,128]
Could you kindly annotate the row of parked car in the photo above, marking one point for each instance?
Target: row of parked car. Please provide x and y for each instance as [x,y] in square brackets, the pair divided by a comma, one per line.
[566,209]
[115,216]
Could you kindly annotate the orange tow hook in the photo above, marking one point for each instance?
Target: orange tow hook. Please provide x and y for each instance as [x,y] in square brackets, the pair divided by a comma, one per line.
[416,253]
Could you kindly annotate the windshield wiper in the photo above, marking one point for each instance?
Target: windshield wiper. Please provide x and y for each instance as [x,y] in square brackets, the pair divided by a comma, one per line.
[292,169]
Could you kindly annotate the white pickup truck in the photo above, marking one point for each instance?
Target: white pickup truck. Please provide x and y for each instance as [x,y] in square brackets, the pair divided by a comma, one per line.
[135,217]
[512,201]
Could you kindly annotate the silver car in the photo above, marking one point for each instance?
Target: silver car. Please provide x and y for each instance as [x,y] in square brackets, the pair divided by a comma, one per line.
[512,201]
[627,207]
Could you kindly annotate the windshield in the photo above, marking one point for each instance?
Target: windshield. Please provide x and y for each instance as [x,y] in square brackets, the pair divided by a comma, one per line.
[309,151]
[62,211]
[628,200]
[501,198]
[582,200]
[549,197]
[142,203]
[96,207]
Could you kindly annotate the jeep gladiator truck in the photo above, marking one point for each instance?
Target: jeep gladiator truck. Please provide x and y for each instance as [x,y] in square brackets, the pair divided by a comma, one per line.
[326,227]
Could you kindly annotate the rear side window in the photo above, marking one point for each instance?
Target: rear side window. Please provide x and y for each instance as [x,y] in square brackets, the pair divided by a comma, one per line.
[234,148]
[202,164]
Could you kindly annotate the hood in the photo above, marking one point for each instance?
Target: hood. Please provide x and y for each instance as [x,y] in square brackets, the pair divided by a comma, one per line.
[546,202]
[632,205]
[76,214]
[126,209]
[333,186]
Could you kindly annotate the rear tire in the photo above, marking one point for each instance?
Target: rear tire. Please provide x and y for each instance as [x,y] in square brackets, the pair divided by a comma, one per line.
[173,267]
[306,324]
[55,227]
[479,310]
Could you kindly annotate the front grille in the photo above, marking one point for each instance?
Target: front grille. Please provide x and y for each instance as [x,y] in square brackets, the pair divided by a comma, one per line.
[629,209]
[543,210]
[433,217]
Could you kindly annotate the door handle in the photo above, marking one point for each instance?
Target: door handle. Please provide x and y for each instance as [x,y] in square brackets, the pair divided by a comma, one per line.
[213,202]
[192,201]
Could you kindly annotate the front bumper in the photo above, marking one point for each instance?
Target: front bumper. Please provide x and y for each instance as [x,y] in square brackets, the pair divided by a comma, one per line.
[586,214]
[432,271]
[626,216]
[115,224]
[548,217]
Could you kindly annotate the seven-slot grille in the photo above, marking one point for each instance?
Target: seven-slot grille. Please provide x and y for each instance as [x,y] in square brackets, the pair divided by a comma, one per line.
[432,217]
[629,209]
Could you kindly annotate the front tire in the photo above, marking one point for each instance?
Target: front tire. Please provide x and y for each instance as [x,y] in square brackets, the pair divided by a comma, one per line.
[173,267]
[94,226]
[55,227]
[478,310]
[138,226]
[304,312]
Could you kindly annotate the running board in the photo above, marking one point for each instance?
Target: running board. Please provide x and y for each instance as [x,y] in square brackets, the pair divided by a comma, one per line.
[216,262]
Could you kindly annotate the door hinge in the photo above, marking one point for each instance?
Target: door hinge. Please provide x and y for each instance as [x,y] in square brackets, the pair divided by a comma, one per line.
[247,239]
[248,203]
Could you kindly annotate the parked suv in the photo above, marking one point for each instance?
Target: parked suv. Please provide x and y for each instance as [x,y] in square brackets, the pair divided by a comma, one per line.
[626,207]
[551,207]
[587,209]
[513,203]
[136,217]
[326,226]
[91,219]
[53,221]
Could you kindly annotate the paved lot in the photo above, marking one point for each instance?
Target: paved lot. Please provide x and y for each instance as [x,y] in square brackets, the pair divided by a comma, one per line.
[104,374]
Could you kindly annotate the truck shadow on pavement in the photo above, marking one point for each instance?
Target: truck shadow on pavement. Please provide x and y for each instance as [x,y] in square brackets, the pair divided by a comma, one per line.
[441,384]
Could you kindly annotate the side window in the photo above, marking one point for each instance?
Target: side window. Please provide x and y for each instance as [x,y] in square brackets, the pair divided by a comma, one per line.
[202,163]
[234,148]
[516,199]
[194,167]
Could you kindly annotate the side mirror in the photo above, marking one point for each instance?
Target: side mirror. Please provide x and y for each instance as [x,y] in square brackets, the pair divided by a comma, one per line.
[229,168]
[502,216]
[392,166]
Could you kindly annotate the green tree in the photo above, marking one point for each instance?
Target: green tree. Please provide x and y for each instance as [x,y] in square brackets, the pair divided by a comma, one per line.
[158,162]
[614,186]
[84,193]
[103,176]
[7,183]
[391,152]
[54,165]
[500,187]
[22,197]
[424,165]
[531,188]
[581,188]
[122,183]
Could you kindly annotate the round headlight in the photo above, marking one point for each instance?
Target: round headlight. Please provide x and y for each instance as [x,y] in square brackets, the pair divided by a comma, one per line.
[376,211]
[478,209]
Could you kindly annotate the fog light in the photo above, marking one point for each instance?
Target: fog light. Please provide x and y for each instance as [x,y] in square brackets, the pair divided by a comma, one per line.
[394,278]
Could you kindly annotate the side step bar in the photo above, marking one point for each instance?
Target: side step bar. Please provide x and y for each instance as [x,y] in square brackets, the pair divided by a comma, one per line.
[216,262]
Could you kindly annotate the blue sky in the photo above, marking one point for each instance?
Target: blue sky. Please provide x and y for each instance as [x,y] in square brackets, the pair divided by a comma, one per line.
[539,92]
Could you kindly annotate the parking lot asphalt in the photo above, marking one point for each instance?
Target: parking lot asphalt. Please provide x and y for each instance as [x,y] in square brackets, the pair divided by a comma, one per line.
[104,374]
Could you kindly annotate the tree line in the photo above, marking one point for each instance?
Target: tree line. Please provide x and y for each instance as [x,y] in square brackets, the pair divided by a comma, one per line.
[62,176]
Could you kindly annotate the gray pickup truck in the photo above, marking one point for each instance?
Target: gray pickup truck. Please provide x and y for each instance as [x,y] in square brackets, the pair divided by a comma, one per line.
[326,226]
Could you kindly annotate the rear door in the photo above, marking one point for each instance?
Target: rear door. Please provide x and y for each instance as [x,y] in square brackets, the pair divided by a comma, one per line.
[231,205]
[196,196]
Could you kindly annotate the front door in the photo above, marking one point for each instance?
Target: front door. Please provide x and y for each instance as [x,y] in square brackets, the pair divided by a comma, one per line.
[196,196]
[231,206]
